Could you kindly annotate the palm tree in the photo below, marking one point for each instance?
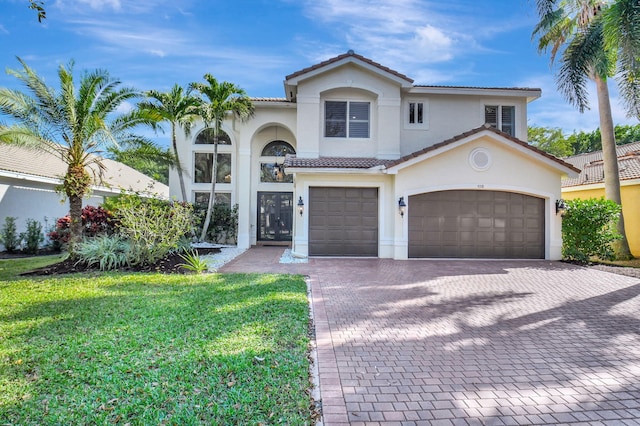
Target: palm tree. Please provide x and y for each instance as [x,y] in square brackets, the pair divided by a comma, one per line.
[179,109]
[73,124]
[222,99]
[597,40]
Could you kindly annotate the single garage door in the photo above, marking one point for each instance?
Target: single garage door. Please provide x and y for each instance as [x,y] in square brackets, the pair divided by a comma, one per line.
[343,221]
[476,224]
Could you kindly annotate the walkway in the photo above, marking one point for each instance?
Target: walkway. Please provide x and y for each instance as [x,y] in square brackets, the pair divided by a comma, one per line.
[470,342]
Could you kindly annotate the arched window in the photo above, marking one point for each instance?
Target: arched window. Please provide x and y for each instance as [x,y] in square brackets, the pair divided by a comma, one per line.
[206,137]
[277,149]
[272,157]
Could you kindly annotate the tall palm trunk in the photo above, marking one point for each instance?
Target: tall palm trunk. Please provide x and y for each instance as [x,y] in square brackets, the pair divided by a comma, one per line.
[212,196]
[610,162]
[183,189]
[75,228]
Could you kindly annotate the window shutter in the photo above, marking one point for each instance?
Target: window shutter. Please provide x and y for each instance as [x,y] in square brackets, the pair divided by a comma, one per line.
[491,115]
[359,120]
[508,119]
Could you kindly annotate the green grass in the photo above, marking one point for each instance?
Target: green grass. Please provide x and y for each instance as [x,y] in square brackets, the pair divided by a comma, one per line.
[153,349]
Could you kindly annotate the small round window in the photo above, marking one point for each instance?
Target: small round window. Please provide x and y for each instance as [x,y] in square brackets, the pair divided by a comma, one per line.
[480,159]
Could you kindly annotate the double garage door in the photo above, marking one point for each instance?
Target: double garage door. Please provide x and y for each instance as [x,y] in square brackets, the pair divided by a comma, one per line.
[476,224]
[449,224]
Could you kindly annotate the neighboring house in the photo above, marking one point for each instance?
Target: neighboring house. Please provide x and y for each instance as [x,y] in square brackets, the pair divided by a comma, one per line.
[28,180]
[590,184]
[356,160]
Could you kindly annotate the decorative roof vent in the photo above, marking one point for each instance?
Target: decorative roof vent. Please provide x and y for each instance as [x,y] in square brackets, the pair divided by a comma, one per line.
[350,52]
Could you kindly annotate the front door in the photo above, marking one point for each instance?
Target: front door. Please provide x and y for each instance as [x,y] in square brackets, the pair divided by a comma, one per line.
[275,216]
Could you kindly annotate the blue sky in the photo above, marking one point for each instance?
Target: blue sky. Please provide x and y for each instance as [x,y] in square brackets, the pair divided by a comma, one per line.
[153,44]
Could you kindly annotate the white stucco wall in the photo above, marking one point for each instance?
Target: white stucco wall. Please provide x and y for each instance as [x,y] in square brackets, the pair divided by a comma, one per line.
[386,206]
[34,200]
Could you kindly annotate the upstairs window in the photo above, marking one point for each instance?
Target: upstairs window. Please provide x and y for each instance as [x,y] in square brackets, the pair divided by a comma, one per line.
[342,118]
[501,117]
[207,137]
[416,113]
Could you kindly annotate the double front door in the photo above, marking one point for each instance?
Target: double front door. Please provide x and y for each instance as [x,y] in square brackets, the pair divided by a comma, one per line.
[275,216]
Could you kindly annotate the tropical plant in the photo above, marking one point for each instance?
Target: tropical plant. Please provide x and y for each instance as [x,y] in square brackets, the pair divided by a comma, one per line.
[38,6]
[72,123]
[179,108]
[193,262]
[32,237]
[597,40]
[109,252]
[9,235]
[220,100]
[223,227]
[153,228]
[147,158]
[588,229]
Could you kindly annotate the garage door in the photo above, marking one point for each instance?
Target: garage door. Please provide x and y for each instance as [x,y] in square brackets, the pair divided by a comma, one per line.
[343,221]
[476,224]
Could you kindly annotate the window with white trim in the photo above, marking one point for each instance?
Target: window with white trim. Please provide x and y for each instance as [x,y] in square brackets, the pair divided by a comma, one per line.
[342,118]
[501,117]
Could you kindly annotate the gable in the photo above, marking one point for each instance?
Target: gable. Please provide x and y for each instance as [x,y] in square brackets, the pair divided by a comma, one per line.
[348,60]
[494,136]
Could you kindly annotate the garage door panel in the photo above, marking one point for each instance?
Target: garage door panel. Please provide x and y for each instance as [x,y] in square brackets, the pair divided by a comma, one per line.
[343,221]
[482,224]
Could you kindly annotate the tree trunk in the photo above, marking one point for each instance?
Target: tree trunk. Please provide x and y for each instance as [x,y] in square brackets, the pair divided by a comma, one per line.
[212,196]
[75,229]
[610,162]
[183,190]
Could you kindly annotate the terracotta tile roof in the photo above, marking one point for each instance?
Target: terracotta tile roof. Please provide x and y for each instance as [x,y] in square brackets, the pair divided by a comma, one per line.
[593,169]
[367,162]
[350,53]
[476,131]
[45,165]
[474,87]
[334,162]
[285,100]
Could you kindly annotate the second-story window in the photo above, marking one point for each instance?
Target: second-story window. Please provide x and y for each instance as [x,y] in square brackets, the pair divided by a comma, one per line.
[501,117]
[342,118]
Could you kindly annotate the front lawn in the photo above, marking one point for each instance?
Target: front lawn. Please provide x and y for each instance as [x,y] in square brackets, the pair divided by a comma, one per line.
[153,349]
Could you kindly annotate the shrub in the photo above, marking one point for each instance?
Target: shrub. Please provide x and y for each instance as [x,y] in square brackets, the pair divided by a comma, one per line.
[109,252]
[95,221]
[153,227]
[223,228]
[61,233]
[32,237]
[589,229]
[9,235]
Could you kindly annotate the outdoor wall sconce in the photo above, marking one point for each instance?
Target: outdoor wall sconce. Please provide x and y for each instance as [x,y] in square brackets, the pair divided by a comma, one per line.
[300,206]
[401,206]
[561,207]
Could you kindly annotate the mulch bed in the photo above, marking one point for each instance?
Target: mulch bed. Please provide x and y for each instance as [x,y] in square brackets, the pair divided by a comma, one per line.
[167,265]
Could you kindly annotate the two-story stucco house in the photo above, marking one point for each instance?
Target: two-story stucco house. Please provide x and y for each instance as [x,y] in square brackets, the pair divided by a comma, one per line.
[356,160]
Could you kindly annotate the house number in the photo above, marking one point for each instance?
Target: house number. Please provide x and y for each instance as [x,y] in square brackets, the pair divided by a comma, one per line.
[480,186]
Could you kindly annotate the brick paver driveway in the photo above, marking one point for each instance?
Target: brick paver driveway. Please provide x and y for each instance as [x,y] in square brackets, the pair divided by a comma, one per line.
[473,342]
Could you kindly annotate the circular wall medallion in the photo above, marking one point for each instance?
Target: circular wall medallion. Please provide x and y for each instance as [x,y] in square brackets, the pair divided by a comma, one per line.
[480,159]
